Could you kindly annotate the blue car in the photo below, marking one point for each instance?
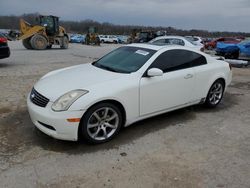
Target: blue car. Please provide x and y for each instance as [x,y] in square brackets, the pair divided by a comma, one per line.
[233,51]
[77,39]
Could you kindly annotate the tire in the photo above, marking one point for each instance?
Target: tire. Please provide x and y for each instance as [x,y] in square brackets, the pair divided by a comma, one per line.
[236,55]
[210,48]
[97,42]
[49,46]
[232,55]
[101,123]
[215,94]
[65,43]
[26,43]
[102,41]
[39,42]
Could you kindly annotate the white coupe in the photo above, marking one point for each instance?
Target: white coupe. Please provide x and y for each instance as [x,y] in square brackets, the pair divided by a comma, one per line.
[176,40]
[133,82]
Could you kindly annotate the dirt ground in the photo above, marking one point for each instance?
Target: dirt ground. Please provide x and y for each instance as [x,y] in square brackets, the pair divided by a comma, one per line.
[188,148]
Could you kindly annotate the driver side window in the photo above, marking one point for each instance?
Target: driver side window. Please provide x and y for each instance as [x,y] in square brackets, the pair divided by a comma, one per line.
[174,60]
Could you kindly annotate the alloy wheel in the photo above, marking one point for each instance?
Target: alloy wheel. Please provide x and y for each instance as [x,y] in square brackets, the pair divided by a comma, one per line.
[103,123]
[216,93]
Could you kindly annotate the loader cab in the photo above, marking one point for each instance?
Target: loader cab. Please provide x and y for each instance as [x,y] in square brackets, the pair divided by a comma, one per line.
[51,23]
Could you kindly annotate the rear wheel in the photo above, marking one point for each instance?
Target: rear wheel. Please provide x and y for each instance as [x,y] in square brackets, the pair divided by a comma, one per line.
[65,43]
[235,55]
[101,123]
[39,42]
[215,94]
[26,43]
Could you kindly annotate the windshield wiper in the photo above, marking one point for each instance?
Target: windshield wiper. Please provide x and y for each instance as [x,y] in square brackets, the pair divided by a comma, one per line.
[105,67]
[109,68]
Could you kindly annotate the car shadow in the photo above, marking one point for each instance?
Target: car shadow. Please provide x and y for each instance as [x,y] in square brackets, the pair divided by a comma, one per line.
[19,134]
[3,64]
[30,50]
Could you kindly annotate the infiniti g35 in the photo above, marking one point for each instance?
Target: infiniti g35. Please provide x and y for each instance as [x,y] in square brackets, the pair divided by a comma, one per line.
[129,84]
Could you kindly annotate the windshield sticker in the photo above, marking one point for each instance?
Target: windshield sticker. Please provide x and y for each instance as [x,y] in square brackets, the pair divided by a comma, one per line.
[142,52]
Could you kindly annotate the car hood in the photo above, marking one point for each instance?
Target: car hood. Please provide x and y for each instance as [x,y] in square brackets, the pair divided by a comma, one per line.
[56,83]
[222,45]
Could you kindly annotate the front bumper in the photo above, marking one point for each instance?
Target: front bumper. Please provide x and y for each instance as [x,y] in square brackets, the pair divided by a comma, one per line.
[245,55]
[53,123]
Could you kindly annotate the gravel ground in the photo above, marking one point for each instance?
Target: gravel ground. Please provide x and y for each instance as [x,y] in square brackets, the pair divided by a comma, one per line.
[192,147]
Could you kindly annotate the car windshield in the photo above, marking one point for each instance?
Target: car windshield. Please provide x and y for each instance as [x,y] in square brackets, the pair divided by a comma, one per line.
[189,39]
[2,35]
[125,59]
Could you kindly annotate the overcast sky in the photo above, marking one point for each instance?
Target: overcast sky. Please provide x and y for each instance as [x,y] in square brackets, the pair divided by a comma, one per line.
[213,15]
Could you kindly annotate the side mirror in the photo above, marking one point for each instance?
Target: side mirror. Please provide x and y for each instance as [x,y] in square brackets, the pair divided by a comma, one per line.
[154,72]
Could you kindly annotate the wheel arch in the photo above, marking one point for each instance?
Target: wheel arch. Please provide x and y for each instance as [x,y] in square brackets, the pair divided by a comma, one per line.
[222,78]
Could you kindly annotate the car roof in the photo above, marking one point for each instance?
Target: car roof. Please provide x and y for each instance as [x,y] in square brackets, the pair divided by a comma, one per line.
[146,45]
[170,36]
[157,47]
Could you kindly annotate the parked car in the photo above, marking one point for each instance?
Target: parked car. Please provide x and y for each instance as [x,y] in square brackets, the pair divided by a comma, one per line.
[108,39]
[196,40]
[127,85]
[4,48]
[212,44]
[77,39]
[233,51]
[122,39]
[175,40]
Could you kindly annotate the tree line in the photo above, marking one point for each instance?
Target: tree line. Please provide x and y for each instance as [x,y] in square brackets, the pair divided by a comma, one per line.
[12,22]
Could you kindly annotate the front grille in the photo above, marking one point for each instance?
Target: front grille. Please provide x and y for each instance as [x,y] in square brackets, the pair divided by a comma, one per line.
[38,99]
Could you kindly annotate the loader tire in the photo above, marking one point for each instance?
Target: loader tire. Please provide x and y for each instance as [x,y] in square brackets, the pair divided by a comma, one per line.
[65,43]
[39,42]
[26,44]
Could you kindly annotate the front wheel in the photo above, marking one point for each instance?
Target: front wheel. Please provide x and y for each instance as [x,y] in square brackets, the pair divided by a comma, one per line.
[101,123]
[215,94]
[39,42]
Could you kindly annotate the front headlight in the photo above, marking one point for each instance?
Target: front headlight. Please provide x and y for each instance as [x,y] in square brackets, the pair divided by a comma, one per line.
[64,102]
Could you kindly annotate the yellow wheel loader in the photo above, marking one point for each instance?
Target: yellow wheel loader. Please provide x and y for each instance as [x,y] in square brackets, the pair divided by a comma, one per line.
[92,37]
[44,35]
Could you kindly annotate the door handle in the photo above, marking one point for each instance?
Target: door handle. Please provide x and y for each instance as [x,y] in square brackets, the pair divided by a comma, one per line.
[188,76]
